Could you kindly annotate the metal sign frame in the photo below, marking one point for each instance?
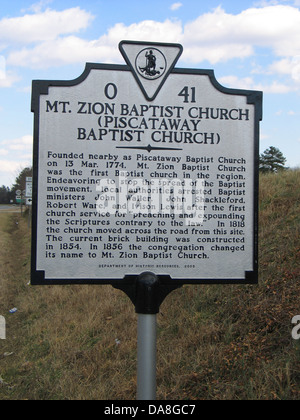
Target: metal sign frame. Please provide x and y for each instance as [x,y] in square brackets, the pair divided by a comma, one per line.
[129,282]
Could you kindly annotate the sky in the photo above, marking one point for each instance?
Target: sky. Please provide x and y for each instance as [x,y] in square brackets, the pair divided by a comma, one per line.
[249,44]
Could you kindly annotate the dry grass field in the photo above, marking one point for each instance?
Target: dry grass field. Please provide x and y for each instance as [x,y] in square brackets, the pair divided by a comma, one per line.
[214,342]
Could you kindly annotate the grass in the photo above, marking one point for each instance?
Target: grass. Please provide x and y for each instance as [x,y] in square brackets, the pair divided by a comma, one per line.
[214,342]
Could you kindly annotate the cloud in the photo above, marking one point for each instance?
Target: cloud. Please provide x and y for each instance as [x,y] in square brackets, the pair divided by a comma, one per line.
[43,26]
[287,66]
[50,39]
[236,83]
[216,53]
[23,143]
[216,36]
[275,87]
[8,79]
[9,168]
[249,84]
[17,153]
[176,6]
[264,3]
[37,7]
[2,68]
[221,36]
[168,31]
[72,49]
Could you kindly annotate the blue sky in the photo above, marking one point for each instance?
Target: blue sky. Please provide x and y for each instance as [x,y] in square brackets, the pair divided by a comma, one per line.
[250,45]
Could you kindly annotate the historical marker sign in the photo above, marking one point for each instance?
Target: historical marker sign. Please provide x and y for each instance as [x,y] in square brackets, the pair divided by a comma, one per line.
[145,167]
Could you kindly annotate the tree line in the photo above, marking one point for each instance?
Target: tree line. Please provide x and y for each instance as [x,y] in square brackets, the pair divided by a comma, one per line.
[272,160]
[7,194]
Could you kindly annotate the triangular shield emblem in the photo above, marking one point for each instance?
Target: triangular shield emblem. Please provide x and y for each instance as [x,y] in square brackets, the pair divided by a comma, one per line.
[151,63]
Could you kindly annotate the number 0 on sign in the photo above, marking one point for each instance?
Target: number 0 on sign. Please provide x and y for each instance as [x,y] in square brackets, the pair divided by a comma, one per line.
[145,167]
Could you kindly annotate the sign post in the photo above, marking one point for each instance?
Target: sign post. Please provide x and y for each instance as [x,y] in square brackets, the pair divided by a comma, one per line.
[28,191]
[146,341]
[28,196]
[146,357]
[18,196]
[145,168]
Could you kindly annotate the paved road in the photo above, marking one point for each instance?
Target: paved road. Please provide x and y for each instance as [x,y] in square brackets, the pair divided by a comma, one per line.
[8,208]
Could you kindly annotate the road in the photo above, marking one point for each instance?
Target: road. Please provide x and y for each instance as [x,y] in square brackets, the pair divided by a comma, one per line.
[4,208]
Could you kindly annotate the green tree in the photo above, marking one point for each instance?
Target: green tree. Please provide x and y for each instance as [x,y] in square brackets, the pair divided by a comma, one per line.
[4,195]
[272,160]
[20,182]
